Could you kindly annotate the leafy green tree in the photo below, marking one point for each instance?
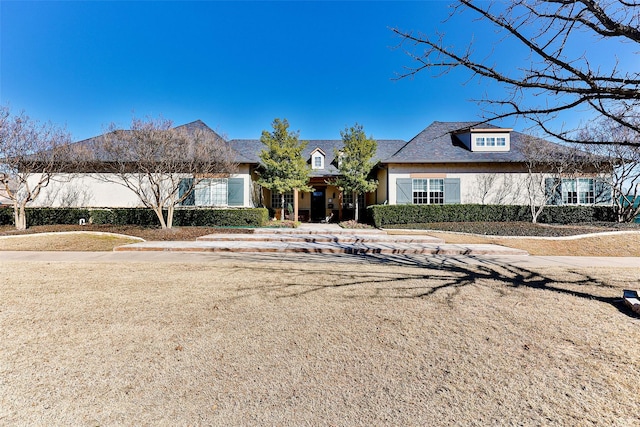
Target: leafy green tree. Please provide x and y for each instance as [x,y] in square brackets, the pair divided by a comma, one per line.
[283,167]
[355,162]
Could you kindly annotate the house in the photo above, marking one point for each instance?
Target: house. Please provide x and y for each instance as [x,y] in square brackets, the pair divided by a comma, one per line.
[448,162]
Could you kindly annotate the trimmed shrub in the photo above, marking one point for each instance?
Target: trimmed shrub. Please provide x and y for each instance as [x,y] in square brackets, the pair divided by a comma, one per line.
[45,216]
[144,217]
[383,215]
[6,215]
[52,216]
[241,217]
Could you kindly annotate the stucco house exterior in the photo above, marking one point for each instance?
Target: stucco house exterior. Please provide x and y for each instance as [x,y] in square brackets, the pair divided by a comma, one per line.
[447,162]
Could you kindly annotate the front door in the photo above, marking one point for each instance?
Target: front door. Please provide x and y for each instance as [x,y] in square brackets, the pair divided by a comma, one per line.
[318,205]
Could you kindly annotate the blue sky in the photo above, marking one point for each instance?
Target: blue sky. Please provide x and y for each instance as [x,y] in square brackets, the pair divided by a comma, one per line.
[234,65]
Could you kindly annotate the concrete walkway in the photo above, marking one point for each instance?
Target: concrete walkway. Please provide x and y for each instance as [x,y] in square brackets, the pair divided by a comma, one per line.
[322,239]
[324,243]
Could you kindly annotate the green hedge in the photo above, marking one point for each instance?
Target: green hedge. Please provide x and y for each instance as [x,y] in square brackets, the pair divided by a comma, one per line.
[241,217]
[384,215]
[45,216]
[6,215]
[249,217]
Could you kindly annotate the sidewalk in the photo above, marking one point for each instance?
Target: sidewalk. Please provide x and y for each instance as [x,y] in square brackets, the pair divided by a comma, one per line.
[256,257]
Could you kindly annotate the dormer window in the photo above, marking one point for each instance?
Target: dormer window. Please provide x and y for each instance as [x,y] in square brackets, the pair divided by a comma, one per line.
[486,139]
[317,159]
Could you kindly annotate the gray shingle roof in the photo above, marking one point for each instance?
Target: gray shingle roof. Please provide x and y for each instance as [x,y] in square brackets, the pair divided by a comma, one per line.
[251,148]
[438,144]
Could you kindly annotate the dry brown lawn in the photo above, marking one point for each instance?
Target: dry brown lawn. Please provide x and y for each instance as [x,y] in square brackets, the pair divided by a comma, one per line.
[63,241]
[299,342]
[618,245]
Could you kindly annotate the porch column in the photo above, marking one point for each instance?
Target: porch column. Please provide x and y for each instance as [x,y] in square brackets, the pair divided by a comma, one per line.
[295,204]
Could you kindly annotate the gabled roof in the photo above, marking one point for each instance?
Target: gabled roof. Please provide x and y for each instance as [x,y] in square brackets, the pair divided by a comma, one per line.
[251,148]
[438,143]
[93,144]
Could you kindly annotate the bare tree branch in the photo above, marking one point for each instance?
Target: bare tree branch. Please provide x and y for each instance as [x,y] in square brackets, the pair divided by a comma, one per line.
[556,74]
[160,164]
[30,156]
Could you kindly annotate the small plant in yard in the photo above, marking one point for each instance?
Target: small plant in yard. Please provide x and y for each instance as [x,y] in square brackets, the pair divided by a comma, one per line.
[353,224]
[282,224]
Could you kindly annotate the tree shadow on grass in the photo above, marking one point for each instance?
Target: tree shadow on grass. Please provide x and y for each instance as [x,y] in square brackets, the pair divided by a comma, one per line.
[439,273]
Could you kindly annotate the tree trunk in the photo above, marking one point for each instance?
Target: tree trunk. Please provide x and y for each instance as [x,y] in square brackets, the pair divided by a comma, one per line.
[20,216]
[282,215]
[535,213]
[158,212]
[355,206]
[170,211]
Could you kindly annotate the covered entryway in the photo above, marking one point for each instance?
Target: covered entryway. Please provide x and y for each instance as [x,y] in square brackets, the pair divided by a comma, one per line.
[318,204]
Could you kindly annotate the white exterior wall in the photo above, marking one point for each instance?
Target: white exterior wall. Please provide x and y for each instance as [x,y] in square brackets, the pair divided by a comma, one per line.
[502,184]
[86,190]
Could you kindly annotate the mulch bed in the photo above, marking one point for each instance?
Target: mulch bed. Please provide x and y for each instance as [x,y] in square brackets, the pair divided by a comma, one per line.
[520,228]
[147,233]
[481,228]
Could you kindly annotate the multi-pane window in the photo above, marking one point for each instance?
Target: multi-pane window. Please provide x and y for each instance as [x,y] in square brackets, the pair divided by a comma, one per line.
[317,160]
[578,191]
[211,192]
[480,141]
[586,193]
[491,142]
[501,142]
[428,191]
[276,201]
[569,192]
[347,200]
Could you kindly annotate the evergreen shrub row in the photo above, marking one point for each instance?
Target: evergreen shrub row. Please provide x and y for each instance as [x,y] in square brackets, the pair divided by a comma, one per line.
[385,215]
[240,217]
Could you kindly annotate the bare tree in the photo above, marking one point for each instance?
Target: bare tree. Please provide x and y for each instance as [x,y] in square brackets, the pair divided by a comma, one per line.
[31,156]
[493,188]
[162,165]
[619,163]
[547,164]
[484,187]
[556,73]
[507,192]
[67,195]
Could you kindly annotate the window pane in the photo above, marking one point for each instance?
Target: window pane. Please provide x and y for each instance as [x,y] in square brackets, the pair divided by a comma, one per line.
[569,192]
[585,191]
[202,193]
[276,202]
[219,192]
[420,194]
[211,192]
[436,191]
[420,185]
